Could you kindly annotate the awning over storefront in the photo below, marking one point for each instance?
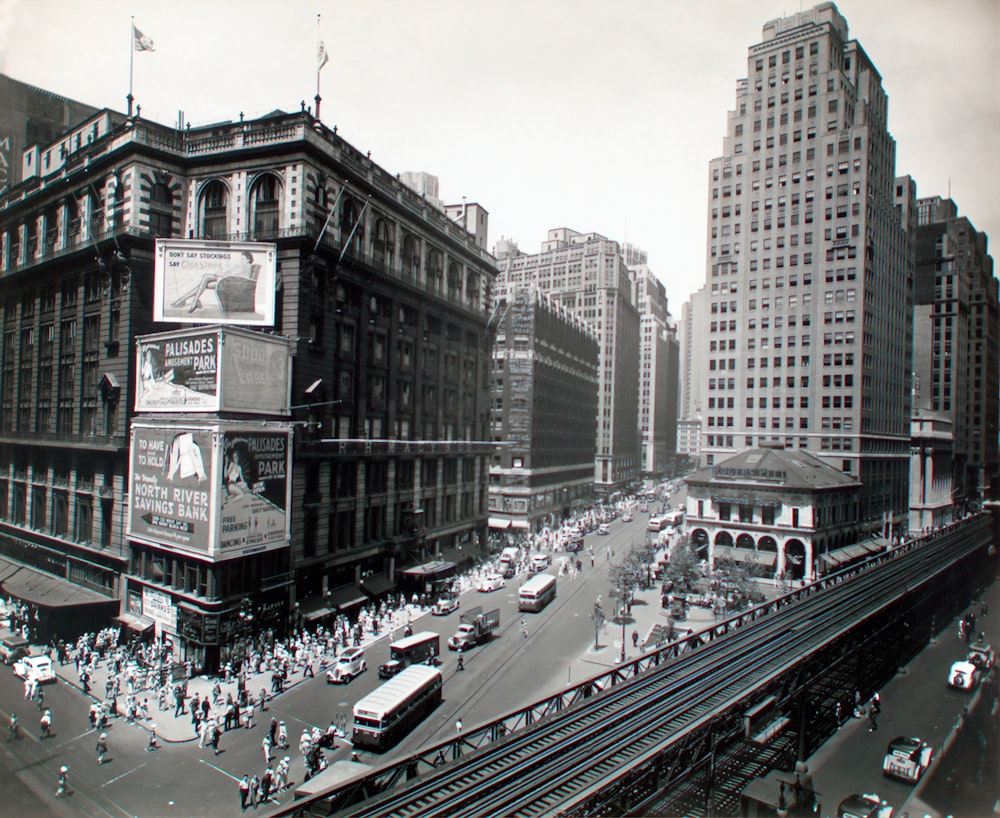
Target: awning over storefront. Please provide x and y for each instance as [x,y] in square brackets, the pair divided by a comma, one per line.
[431,569]
[377,584]
[766,559]
[48,591]
[499,523]
[519,524]
[345,597]
[315,608]
[139,624]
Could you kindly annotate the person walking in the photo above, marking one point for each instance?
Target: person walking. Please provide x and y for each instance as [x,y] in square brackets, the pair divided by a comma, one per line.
[273,731]
[249,715]
[63,782]
[244,792]
[45,724]
[458,726]
[282,741]
[216,735]
[265,745]
[254,790]
[13,729]
[102,747]
[152,744]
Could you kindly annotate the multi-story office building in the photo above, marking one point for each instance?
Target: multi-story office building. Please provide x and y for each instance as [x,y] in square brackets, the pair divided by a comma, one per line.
[809,332]
[29,115]
[956,348]
[544,414]
[658,372]
[586,275]
[382,298]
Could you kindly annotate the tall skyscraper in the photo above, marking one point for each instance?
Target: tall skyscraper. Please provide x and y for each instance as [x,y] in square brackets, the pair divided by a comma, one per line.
[808,337]
[586,274]
[956,355]
[658,369]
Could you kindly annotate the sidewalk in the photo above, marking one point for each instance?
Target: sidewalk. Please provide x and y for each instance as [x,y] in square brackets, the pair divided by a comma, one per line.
[646,615]
[179,728]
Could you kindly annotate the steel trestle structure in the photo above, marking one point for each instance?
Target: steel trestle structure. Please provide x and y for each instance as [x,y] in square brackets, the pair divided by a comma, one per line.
[683,729]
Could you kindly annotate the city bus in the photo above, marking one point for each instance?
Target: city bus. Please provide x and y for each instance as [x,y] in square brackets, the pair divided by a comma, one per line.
[412,650]
[536,593]
[389,712]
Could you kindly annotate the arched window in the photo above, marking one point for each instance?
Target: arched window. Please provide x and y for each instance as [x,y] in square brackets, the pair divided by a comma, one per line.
[348,219]
[411,257]
[213,211]
[435,266]
[161,211]
[265,206]
[382,246]
[472,288]
[454,280]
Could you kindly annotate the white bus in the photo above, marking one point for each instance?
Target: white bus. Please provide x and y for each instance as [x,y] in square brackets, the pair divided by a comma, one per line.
[389,712]
[536,593]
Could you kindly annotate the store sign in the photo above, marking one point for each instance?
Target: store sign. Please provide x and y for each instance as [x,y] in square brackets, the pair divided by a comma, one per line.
[158,606]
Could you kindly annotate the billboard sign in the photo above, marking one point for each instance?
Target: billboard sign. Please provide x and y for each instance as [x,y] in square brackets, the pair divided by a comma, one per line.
[254,490]
[170,480]
[198,281]
[213,369]
[178,374]
[214,490]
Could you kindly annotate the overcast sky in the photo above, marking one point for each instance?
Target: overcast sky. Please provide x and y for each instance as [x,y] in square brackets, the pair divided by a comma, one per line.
[599,115]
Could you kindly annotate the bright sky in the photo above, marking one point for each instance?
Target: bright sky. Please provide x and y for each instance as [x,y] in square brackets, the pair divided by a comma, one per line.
[599,115]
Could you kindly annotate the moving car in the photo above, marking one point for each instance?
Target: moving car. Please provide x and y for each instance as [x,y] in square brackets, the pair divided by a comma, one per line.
[539,562]
[627,517]
[604,528]
[390,668]
[445,605]
[38,668]
[348,665]
[907,758]
[963,675]
[491,582]
[867,805]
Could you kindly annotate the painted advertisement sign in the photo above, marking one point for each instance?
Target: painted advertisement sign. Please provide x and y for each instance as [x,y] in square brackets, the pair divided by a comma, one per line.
[197,281]
[254,490]
[213,369]
[170,479]
[216,490]
[178,374]
[158,606]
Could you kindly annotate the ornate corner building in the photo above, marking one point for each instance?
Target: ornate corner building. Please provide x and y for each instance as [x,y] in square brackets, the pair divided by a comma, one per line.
[382,296]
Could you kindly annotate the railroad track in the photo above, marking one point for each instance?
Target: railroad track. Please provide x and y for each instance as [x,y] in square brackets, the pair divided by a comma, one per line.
[558,763]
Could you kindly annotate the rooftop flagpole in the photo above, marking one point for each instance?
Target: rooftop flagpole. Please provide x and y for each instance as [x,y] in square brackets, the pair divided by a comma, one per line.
[322,58]
[131,57]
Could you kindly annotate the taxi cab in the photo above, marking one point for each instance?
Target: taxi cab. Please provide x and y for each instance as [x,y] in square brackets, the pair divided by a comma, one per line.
[907,758]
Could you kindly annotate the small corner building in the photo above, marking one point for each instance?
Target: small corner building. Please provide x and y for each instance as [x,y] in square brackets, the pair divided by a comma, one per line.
[787,511]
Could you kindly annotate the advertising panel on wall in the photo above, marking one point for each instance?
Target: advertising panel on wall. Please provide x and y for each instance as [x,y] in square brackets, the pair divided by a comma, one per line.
[213,369]
[198,281]
[216,490]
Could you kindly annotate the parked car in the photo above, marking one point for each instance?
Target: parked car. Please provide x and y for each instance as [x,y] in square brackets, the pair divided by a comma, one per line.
[38,668]
[867,805]
[445,605]
[349,664]
[981,655]
[491,582]
[907,758]
[963,675]
[12,647]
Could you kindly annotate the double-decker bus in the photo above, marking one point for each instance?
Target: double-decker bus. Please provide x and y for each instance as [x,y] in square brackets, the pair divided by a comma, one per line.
[536,593]
[389,712]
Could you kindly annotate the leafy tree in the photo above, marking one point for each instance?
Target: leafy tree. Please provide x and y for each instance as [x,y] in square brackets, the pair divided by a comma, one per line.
[682,569]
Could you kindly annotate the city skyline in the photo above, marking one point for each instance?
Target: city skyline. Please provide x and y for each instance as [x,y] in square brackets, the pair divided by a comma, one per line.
[471,102]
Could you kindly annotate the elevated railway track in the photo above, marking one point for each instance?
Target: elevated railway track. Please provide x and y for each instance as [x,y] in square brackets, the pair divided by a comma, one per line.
[624,742]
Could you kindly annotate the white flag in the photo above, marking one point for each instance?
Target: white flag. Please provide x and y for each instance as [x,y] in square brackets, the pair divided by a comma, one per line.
[140,42]
[322,58]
